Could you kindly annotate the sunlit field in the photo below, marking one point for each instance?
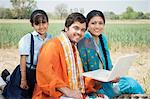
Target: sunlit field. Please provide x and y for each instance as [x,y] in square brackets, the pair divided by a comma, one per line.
[10,33]
[124,37]
[119,33]
[128,35]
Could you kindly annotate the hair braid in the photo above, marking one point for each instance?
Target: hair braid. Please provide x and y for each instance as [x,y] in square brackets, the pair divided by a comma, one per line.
[104,50]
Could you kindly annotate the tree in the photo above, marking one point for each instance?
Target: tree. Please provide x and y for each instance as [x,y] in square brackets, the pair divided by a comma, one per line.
[80,10]
[61,11]
[147,15]
[141,15]
[111,15]
[5,13]
[129,10]
[130,14]
[23,8]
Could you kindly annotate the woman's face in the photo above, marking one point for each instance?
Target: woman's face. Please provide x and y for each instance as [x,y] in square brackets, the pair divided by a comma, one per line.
[96,25]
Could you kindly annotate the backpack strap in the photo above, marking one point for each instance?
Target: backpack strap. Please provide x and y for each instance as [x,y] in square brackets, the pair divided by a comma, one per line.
[31,50]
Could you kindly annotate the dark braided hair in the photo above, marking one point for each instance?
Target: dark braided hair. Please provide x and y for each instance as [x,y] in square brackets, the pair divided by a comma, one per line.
[104,51]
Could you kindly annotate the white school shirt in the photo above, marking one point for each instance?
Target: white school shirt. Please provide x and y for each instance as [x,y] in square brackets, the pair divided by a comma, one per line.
[24,45]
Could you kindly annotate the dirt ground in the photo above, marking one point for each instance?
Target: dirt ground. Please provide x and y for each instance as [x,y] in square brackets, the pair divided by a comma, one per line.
[9,59]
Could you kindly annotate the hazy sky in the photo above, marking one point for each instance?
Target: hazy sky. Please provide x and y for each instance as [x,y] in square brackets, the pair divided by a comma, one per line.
[117,6]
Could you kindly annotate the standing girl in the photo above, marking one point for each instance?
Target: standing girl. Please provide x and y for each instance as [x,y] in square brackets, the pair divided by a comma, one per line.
[22,80]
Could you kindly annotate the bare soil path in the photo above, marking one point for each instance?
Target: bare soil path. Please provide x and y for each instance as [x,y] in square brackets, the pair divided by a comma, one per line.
[9,59]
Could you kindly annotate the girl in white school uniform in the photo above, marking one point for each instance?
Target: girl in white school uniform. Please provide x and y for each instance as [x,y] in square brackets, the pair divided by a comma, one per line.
[23,78]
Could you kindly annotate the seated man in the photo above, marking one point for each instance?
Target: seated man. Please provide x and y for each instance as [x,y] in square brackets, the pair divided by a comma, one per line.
[59,66]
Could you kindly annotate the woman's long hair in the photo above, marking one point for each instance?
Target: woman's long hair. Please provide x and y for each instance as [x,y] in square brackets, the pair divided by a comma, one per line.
[104,50]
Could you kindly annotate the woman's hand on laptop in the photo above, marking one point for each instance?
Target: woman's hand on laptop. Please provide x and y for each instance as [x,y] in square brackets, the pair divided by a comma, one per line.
[92,85]
[115,80]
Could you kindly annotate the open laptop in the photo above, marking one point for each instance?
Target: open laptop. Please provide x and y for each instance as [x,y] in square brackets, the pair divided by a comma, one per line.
[119,69]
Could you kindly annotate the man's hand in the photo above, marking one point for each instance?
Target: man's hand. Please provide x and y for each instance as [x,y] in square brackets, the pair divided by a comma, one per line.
[71,93]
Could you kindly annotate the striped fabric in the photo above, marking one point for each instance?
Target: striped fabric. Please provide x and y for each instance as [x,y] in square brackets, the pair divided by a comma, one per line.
[75,69]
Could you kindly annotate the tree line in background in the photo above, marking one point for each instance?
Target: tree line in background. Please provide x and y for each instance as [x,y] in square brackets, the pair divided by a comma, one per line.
[22,9]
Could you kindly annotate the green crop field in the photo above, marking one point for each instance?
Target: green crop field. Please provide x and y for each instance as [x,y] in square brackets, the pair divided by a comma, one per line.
[128,35]
[119,35]
[11,33]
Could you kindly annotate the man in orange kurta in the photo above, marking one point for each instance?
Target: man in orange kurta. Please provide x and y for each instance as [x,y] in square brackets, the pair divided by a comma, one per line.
[53,59]
[52,73]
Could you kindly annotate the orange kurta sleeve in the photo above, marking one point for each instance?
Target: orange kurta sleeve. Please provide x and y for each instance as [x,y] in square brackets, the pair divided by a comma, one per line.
[51,71]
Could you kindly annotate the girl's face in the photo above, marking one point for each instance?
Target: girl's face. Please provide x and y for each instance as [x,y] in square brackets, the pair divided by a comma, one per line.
[41,28]
[96,26]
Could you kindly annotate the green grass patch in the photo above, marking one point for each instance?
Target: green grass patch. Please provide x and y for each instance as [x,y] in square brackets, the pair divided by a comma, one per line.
[119,35]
